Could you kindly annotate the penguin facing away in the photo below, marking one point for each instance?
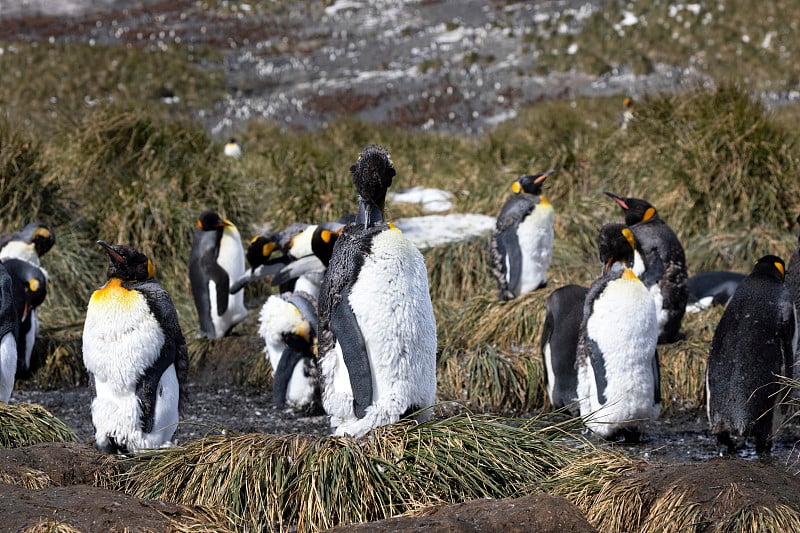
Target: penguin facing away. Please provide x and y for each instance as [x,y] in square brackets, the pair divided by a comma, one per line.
[559,344]
[8,336]
[522,243]
[377,331]
[617,362]
[215,262]
[28,244]
[753,344]
[661,264]
[711,288]
[136,356]
[287,324]
[29,286]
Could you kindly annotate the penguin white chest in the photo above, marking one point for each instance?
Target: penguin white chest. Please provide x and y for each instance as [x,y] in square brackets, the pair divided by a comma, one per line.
[20,250]
[535,235]
[121,337]
[231,259]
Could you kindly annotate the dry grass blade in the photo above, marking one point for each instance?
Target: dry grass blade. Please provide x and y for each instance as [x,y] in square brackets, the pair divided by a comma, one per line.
[25,424]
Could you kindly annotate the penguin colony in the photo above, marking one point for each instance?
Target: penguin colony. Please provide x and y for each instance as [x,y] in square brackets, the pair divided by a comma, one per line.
[352,333]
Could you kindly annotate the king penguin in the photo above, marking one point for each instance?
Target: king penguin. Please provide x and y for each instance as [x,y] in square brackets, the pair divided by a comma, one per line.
[29,285]
[308,256]
[28,244]
[377,331]
[233,148]
[522,243]
[753,344]
[8,336]
[660,263]
[618,369]
[136,356]
[287,324]
[216,261]
[559,344]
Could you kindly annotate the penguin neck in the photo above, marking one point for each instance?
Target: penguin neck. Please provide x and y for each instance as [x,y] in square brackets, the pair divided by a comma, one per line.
[369,213]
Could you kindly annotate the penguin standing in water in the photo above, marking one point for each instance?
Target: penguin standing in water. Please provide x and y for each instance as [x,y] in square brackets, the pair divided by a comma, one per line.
[522,243]
[559,344]
[753,344]
[8,336]
[618,369]
[29,286]
[377,331]
[660,263]
[216,261]
[28,244]
[136,356]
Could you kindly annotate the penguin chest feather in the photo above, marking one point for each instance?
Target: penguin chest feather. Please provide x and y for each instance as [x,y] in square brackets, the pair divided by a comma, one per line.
[121,337]
[535,234]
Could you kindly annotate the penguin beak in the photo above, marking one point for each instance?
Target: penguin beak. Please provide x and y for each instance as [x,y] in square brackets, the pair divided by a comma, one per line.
[111,253]
[544,175]
[617,199]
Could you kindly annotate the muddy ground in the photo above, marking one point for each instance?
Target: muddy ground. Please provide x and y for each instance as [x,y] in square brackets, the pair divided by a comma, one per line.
[301,67]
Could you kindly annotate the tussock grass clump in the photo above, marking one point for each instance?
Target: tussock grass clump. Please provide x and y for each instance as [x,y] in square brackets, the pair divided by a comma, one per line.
[318,482]
[458,271]
[25,424]
[50,526]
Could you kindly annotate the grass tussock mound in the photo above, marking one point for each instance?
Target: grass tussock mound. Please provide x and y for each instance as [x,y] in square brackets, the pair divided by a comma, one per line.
[25,424]
[318,482]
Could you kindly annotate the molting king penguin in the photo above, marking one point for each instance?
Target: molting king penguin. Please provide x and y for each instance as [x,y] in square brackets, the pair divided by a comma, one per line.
[753,344]
[8,336]
[661,264]
[29,285]
[216,261]
[559,344]
[28,244]
[377,331]
[522,243]
[136,356]
[618,369]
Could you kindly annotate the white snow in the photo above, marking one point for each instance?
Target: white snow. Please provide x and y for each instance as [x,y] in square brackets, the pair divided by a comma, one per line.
[432,200]
[435,230]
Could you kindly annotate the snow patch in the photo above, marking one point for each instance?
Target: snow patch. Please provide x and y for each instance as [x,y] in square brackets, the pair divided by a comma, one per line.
[433,200]
[436,230]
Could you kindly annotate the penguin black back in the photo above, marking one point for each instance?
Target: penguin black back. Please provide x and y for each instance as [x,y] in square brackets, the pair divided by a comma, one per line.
[752,345]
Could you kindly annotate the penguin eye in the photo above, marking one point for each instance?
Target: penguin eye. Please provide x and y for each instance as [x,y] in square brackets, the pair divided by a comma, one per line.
[33,283]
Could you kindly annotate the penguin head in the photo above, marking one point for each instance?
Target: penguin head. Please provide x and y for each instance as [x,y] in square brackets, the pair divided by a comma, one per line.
[262,249]
[627,102]
[771,266]
[40,235]
[372,177]
[615,244]
[531,183]
[211,221]
[30,281]
[127,264]
[635,210]
[323,241]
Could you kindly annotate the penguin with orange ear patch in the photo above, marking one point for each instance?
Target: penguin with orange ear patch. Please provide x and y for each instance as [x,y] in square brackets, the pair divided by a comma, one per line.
[136,356]
[660,263]
[522,243]
[753,344]
[617,362]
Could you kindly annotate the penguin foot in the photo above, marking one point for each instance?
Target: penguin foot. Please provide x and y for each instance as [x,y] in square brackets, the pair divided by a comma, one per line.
[724,439]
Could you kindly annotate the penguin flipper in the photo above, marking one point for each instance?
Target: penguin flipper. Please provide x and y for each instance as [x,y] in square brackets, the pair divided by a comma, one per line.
[295,351]
[345,328]
[259,272]
[297,268]
[656,379]
[510,243]
[222,283]
[598,367]
[147,386]
[547,332]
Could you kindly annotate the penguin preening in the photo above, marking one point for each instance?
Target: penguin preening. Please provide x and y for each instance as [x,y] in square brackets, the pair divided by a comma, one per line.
[9,327]
[29,286]
[308,255]
[136,356]
[559,344]
[288,324]
[753,344]
[661,264]
[617,361]
[28,244]
[265,259]
[711,288]
[216,261]
[522,243]
[377,331]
